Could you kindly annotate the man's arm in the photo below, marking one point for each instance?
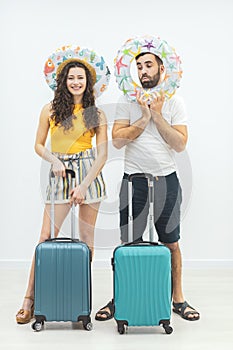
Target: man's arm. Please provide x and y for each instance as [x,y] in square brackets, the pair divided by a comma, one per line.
[123,132]
[176,136]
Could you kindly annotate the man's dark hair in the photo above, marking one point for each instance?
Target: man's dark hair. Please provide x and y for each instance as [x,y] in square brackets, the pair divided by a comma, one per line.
[158,59]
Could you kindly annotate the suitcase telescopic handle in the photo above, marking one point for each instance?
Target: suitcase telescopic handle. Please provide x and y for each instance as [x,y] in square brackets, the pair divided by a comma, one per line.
[150,179]
[52,210]
[141,175]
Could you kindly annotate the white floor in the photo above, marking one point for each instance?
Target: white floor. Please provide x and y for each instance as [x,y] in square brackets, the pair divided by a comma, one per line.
[210,291]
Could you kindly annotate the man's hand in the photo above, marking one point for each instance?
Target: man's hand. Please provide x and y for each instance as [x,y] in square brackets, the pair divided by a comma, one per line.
[156,106]
[146,114]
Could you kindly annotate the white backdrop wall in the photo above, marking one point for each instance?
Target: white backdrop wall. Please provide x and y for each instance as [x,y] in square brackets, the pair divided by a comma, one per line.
[201,33]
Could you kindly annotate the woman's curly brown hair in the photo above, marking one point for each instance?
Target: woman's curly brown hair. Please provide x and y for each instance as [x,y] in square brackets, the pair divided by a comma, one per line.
[63,102]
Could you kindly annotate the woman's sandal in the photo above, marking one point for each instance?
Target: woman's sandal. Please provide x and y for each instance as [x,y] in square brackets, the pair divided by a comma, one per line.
[108,315]
[179,308]
[24,316]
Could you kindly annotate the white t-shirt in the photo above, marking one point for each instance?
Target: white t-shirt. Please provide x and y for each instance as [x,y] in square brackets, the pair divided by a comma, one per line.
[149,152]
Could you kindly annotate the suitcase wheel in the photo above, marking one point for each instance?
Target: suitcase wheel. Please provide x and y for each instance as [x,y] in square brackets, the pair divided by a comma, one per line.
[168,329]
[121,326]
[86,320]
[88,326]
[37,326]
[121,330]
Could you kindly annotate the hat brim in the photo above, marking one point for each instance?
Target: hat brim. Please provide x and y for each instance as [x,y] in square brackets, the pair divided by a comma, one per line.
[85,63]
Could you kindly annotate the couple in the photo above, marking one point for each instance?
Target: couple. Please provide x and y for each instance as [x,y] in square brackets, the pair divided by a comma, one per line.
[151,134]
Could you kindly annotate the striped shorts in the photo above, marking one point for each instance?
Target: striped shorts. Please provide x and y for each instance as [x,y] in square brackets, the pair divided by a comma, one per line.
[81,164]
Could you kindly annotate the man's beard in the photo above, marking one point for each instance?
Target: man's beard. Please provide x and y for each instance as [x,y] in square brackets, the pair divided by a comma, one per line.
[152,82]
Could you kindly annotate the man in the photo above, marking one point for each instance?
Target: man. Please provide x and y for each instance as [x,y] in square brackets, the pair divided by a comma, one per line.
[152,131]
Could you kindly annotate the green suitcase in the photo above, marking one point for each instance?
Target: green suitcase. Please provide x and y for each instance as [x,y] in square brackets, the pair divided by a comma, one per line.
[62,277]
[142,278]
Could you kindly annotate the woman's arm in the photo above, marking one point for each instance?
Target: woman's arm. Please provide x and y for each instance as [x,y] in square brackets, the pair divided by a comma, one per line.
[41,136]
[102,151]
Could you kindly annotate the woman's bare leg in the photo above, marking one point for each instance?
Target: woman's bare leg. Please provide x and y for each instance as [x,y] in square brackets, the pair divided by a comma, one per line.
[87,219]
[61,211]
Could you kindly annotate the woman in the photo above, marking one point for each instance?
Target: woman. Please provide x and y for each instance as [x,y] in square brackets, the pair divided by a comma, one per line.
[73,120]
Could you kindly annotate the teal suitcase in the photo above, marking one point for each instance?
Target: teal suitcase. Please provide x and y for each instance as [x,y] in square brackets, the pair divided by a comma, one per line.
[62,278]
[142,278]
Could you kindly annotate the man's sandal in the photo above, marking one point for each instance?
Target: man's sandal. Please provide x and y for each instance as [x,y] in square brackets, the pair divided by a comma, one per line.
[108,315]
[179,308]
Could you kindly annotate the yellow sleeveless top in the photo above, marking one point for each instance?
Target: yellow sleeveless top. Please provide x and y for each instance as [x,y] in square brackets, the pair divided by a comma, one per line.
[77,139]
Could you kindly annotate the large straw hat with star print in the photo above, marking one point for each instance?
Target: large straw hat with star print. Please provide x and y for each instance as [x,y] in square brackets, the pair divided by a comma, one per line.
[65,54]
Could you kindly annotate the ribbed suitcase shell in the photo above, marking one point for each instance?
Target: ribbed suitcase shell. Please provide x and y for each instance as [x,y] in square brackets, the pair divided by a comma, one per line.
[142,284]
[62,280]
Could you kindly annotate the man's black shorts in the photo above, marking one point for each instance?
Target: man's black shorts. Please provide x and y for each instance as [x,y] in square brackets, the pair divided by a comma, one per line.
[167,202]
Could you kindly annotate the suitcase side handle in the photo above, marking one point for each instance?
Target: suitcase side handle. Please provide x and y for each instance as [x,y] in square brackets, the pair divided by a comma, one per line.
[141,243]
[63,239]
